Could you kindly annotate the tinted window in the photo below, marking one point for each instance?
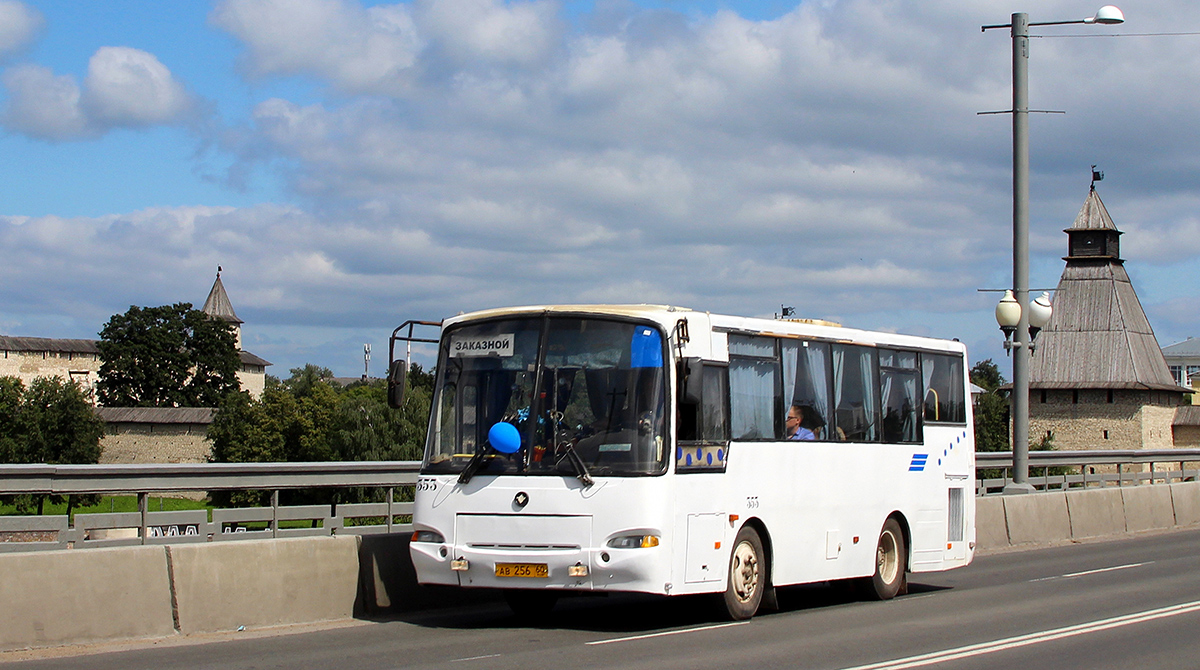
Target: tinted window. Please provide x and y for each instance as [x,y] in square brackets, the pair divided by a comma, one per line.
[945,394]
[899,390]
[806,385]
[753,382]
[855,394]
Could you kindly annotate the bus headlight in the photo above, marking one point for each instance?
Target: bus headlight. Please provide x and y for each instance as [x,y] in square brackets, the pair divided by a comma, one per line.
[633,541]
[427,536]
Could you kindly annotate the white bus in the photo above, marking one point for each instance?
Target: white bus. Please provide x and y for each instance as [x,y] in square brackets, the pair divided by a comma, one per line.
[662,450]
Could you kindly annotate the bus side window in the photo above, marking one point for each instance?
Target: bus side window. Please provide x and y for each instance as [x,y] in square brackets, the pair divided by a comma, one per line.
[945,396]
[688,412]
[714,423]
[898,378]
[707,420]
[806,384]
[754,388]
[856,393]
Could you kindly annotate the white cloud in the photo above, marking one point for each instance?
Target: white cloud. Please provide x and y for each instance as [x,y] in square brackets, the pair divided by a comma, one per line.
[124,87]
[359,50]
[491,31]
[475,153]
[42,104]
[19,24]
[129,87]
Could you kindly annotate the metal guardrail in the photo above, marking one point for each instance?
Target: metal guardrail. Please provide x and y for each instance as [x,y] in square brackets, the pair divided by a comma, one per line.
[26,533]
[1096,467]
[1100,467]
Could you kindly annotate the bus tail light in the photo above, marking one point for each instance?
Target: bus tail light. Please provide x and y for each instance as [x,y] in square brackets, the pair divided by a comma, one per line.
[459,565]
[634,541]
[427,536]
[577,570]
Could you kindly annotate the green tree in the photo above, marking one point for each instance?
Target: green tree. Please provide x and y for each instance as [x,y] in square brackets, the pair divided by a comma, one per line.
[53,422]
[991,412]
[12,438]
[168,356]
[304,380]
[369,430]
[305,418]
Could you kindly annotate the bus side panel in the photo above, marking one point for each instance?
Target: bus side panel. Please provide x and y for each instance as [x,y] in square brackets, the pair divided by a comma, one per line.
[824,504]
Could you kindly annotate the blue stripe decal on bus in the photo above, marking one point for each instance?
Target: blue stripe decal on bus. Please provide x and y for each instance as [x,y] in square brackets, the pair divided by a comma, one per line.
[918,462]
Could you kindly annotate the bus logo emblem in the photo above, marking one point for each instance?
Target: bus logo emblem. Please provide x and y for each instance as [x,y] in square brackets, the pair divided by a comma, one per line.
[521,499]
[918,462]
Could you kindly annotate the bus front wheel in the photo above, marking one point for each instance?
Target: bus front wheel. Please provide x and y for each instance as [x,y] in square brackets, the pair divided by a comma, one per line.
[747,575]
[891,563]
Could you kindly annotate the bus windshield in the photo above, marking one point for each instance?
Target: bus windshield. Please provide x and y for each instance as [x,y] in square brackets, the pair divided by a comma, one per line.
[591,386]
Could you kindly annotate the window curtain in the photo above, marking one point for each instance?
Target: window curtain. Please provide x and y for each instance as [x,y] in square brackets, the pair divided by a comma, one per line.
[752,397]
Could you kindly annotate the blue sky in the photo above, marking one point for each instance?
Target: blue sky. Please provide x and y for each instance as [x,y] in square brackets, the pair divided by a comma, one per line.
[352,165]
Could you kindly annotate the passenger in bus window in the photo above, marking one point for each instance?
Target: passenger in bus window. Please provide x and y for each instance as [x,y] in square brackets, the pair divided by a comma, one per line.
[795,431]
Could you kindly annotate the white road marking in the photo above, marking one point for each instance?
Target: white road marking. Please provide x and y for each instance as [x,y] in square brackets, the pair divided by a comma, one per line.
[1090,572]
[1031,638]
[670,632]
[475,658]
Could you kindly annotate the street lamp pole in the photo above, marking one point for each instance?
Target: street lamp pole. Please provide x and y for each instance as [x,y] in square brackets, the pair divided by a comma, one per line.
[1020,123]
[1107,15]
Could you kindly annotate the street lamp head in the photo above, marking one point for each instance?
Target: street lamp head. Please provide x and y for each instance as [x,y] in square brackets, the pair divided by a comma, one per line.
[1107,15]
[1008,312]
[1040,311]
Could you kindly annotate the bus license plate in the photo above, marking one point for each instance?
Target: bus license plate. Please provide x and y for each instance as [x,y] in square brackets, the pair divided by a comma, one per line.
[536,570]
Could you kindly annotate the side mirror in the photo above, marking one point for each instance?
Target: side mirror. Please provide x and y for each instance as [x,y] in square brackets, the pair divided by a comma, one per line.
[691,385]
[396,383]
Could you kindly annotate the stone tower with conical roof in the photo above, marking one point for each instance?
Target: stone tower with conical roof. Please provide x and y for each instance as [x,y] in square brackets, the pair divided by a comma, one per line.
[252,374]
[1098,379]
[218,306]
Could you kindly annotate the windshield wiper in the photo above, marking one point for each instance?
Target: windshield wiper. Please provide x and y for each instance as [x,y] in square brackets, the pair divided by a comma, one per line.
[473,465]
[577,464]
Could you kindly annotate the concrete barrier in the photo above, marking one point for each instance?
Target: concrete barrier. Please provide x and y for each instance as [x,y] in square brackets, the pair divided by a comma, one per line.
[991,529]
[71,597]
[1037,518]
[1185,499]
[225,585]
[1147,508]
[79,596]
[1095,512]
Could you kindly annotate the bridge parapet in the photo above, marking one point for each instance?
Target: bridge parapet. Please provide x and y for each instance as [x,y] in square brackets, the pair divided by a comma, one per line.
[145,527]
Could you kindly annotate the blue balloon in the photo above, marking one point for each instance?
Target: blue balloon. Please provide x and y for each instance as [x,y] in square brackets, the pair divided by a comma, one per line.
[505,438]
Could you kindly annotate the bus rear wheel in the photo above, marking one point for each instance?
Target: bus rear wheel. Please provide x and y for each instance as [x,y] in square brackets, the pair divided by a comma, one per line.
[747,575]
[891,563]
[532,605]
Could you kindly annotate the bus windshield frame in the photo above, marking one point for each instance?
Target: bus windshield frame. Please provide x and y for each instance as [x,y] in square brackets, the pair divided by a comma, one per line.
[587,396]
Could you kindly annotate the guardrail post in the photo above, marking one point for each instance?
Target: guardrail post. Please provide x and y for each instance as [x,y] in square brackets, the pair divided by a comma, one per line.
[275,513]
[144,510]
[390,496]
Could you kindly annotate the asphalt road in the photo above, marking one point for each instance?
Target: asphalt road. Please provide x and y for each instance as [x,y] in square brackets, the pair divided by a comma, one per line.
[1130,603]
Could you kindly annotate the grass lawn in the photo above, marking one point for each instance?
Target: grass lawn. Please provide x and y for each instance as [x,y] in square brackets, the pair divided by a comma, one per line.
[117,504]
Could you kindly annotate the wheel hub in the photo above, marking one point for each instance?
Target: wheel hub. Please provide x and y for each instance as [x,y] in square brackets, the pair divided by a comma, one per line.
[745,572]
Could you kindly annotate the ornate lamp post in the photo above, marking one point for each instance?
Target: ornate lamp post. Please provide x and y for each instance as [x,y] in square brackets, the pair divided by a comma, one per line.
[1107,15]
